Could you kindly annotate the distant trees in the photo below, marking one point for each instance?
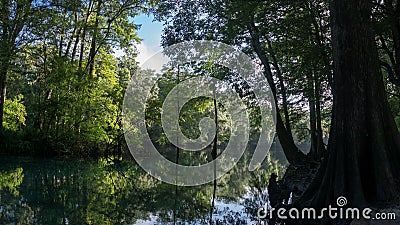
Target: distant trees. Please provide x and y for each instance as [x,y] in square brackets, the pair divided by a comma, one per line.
[289,39]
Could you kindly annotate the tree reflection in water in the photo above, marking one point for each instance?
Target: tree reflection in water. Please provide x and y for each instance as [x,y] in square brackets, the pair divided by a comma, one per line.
[42,191]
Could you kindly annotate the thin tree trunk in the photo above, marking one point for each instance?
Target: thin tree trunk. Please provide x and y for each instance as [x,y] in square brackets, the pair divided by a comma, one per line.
[320,133]
[292,153]
[5,52]
[314,154]
[75,44]
[317,148]
[89,10]
[3,90]
[214,156]
[318,35]
[320,43]
[73,34]
[92,53]
[285,102]
[4,66]
[61,45]
[177,152]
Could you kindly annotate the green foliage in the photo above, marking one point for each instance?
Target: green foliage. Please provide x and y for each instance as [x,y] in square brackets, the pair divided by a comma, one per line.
[14,113]
[11,180]
[394,100]
[293,35]
[72,82]
[195,110]
[105,191]
[66,85]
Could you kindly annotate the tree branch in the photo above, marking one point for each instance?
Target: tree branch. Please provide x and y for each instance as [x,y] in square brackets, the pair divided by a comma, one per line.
[392,78]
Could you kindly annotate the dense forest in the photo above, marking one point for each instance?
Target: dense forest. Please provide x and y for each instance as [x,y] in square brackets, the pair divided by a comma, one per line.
[333,68]
[62,87]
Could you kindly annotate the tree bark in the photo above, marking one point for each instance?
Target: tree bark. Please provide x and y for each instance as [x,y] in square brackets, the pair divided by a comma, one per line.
[85,25]
[314,154]
[214,156]
[73,33]
[317,148]
[3,90]
[92,52]
[292,153]
[363,161]
[319,40]
[320,133]
[285,102]
[78,33]
[4,65]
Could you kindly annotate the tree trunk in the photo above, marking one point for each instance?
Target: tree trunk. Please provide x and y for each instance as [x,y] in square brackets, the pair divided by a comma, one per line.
[4,58]
[314,154]
[177,152]
[317,146]
[3,89]
[292,153]
[78,33]
[319,40]
[73,33]
[363,162]
[92,52]
[320,133]
[4,66]
[85,25]
[214,156]
[285,102]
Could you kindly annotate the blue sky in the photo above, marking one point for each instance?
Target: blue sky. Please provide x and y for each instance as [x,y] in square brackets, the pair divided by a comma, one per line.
[150,31]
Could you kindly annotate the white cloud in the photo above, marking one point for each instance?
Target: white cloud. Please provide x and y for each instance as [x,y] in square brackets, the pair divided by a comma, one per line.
[144,53]
[118,52]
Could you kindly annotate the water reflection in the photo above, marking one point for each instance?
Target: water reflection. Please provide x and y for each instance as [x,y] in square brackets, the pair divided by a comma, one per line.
[40,191]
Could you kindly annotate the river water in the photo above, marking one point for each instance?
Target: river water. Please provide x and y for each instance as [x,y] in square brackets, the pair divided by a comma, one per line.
[70,191]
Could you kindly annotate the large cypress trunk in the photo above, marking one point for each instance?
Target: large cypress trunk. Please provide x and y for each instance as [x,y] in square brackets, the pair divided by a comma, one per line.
[363,162]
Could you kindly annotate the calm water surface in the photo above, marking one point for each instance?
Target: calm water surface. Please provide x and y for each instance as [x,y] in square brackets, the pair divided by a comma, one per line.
[49,191]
